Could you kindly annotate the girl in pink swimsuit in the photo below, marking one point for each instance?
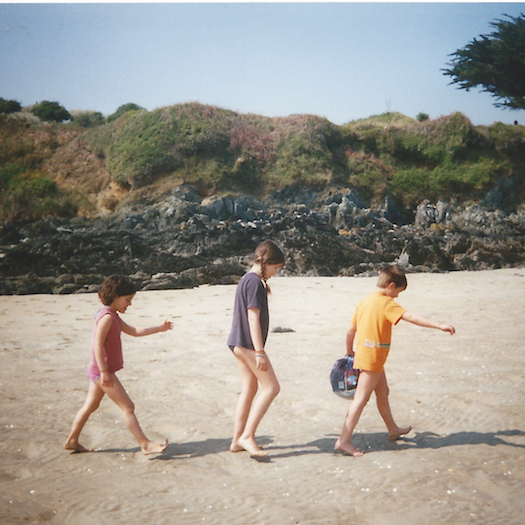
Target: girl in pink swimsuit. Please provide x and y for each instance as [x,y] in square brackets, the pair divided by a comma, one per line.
[116,295]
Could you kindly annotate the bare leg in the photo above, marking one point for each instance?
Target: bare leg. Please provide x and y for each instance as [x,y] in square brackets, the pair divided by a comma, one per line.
[92,402]
[269,390]
[117,394]
[248,391]
[365,386]
[383,405]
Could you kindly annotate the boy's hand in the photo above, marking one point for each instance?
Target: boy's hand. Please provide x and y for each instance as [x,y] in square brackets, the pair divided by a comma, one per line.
[166,325]
[447,328]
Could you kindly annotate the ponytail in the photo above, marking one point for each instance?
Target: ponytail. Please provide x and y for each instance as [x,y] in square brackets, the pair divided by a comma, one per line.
[268,252]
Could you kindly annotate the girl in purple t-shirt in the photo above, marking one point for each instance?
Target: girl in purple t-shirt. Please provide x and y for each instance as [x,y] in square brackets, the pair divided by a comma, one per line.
[116,295]
[247,339]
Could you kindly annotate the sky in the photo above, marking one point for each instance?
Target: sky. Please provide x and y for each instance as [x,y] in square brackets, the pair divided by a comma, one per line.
[343,61]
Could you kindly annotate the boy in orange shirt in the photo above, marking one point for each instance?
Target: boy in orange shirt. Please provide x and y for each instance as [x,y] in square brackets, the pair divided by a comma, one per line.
[372,323]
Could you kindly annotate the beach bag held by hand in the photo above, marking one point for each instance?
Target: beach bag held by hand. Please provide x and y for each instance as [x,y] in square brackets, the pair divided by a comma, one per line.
[343,377]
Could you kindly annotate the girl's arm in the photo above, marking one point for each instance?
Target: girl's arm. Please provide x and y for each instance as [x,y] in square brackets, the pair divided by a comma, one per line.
[350,335]
[101,332]
[256,335]
[427,323]
[140,332]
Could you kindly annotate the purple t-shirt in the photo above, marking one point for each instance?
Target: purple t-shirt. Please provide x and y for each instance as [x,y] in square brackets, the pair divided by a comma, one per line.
[250,293]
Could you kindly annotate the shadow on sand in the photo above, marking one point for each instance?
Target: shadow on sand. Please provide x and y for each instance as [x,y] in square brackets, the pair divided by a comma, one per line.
[376,442]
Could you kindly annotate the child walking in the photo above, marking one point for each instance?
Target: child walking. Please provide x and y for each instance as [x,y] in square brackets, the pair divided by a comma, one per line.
[247,341]
[116,295]
[372,323]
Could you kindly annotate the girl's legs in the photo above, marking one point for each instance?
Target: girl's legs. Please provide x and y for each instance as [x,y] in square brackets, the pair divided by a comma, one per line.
[94,396]
[117,394]
[249,416]
[248,391]
[383,405]
[367,383]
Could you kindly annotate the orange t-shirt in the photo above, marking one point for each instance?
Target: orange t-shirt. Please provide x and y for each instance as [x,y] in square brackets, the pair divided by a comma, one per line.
[373,319]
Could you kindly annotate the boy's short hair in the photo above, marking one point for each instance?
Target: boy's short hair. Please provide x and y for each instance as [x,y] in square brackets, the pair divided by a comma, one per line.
[392,274]
[115,286]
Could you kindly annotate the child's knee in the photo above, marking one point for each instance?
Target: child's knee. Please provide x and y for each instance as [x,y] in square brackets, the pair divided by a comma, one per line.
[90,406]
[275,389]
[129,407]
[94,406]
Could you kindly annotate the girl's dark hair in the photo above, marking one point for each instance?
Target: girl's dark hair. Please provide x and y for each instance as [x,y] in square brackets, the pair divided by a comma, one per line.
[268,252]
[392,274]
[115,286]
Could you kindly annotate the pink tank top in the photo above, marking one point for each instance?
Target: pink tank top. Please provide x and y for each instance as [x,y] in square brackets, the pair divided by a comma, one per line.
[112,345]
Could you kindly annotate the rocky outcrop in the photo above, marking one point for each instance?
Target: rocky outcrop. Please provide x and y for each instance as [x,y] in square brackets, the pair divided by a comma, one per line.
[185,241]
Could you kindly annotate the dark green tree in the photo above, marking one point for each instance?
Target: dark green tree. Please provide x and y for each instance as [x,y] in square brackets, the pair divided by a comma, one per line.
[495,63]
[51,112]
[9,106]
[130,106]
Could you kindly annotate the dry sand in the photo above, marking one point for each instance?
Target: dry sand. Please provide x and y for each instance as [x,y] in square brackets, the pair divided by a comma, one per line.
[464,461]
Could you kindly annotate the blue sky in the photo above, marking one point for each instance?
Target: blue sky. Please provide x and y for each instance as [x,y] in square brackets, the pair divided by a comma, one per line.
[342,61]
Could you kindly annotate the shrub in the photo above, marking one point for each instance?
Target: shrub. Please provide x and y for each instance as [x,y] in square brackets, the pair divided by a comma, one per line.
[51,112]
[463,181]
[9,106]
[31,197]
[88,119]
[9,176]
[368,175]
[130,106]
[143,145]
[309,152]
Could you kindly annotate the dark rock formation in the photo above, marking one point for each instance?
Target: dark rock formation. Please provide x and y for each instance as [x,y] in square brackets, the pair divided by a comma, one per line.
[184,241]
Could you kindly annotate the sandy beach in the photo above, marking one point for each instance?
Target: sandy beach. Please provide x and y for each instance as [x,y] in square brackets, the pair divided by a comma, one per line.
[463,462]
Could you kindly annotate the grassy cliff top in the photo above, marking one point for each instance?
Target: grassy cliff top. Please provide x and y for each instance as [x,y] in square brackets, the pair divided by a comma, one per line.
[64,169]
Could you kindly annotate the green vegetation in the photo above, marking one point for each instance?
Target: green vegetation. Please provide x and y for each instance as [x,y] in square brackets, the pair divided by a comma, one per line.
[27,191]
[88,119]
[219,150]
[9,106]
[51,112]
[31,196]
[130,106]
[495,63]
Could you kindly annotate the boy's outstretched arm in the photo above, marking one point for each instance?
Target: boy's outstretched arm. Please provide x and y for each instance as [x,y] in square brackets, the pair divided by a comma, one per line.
[427,323]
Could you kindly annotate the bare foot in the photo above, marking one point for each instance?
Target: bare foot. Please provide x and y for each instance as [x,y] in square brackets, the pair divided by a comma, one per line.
[251,446]
[349,449]
[235,447]
[154,448]
[400,432]
[75,446]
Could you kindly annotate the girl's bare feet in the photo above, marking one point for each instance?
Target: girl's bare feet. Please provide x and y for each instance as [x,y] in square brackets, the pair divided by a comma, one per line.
[154,448]
[250,445]
[75,446]
[400,432]
[235,447]
[349,449]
